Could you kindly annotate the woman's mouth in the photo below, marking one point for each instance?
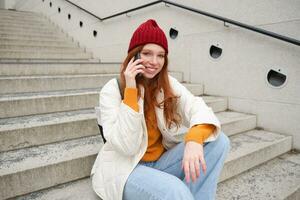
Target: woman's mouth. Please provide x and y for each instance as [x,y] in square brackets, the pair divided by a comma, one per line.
[150,69]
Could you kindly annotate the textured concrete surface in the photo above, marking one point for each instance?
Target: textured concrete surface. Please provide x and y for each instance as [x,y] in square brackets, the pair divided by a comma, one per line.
[19,84]
[218,104]
[15,19]
[7,41]
[21,49]
[77,190]
[51,164]
[30,23]
[15,30]
[21,132]
[177,75]
[252,148]
[278,179]
[36,36]
[47,102]
[32,169]
[15,69]
[28,32]
[194,88]
[249,185]
[235,122]
[270,113]
[25,27]
[22,104]
[46,55]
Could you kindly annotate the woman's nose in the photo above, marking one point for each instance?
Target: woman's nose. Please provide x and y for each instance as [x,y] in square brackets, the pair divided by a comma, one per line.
[154,60]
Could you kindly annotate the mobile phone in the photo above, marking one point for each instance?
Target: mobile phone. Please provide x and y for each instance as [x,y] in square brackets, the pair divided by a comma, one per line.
[137,56]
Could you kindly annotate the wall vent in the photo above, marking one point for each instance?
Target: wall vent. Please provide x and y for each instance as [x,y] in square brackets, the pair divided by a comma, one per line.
[95,33]
[276,78]
[215,51]
[173,33]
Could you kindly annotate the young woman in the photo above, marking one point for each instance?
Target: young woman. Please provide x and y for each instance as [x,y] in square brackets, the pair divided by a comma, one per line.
[142,159]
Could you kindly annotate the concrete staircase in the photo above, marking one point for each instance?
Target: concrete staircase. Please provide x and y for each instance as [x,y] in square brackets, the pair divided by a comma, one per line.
[48,130]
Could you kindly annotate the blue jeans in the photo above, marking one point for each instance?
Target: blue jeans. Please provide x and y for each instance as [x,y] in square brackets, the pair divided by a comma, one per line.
[164,179]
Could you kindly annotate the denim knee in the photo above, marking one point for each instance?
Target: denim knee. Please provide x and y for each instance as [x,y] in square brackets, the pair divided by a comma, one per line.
[177,190]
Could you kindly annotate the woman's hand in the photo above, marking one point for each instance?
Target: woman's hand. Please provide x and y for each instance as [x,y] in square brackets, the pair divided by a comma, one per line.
[132,69]
[192,158]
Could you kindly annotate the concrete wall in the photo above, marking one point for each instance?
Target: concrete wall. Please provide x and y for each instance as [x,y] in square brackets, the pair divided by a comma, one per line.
[240,73]
[2,4]
[7,4]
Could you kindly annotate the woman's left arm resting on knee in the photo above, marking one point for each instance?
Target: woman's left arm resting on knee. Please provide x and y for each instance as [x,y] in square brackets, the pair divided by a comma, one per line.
[204,126]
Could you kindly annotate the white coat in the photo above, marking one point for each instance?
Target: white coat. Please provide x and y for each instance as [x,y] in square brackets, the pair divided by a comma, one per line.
[126,134]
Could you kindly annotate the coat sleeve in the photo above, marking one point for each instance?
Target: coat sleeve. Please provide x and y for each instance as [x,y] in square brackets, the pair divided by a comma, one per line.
[193,109]
[122,126]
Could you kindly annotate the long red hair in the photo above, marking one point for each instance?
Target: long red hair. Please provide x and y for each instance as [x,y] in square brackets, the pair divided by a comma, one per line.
[160,81]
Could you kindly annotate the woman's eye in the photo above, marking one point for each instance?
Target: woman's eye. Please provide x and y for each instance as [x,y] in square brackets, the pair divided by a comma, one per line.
[146,53]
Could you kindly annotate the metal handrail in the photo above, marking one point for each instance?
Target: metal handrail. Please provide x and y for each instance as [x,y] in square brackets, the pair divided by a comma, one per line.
[225,20]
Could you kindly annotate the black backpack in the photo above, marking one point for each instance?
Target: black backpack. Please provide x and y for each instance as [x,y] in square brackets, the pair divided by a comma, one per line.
[100,127]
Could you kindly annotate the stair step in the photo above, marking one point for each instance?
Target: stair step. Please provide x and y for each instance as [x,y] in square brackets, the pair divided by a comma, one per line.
[75,190]
[231,122]
[194,88]
[28,22]
[21,104]
[235,122]
[218,104]
[35,168]
[34,37]
[47,60]
[13,30]
[252,148]
[46,50]
[32,33]
[20,84]
[13,69]
[21,132]
[44,55]
[32,42]
[177,75]
[48,25]
[27,131]
[85,183]
[23,19]
[4,12]
[276,179]
[47,102]
[17,28]
[22,48]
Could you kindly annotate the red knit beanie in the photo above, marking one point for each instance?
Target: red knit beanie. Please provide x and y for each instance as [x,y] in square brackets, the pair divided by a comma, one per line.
[148,32]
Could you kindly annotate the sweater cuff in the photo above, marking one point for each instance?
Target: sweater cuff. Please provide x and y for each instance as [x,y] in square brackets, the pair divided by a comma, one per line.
[130,98]
[199,133]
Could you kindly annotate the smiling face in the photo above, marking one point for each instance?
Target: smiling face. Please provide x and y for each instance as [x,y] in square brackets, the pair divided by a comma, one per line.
[153,57]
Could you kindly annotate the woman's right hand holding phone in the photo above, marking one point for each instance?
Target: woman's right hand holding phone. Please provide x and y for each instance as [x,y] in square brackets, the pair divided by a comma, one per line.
[133,68]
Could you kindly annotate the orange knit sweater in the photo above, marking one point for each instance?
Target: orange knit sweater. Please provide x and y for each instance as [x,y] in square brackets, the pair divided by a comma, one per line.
[198,133]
